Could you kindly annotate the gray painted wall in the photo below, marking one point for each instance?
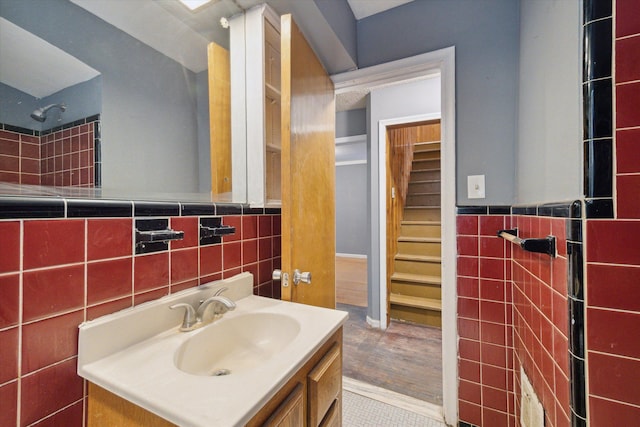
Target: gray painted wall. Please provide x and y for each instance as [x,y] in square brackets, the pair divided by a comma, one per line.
[549,151]
[340,17]
[149,124]
[352,236]
[353,122]
[390,103]
[485,35]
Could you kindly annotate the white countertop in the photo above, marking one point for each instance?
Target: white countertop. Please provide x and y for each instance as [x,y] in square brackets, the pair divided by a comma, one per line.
[131,354]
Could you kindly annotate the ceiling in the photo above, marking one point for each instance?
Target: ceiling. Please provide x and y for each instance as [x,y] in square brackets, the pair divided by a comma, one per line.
[364,8]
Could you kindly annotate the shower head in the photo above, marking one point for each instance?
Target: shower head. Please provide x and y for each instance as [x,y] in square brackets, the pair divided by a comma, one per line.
[41,113]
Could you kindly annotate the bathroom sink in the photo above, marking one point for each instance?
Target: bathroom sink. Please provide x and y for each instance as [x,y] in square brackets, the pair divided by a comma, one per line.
[236,344]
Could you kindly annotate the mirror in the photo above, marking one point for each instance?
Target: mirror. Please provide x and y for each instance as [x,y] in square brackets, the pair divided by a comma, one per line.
[144,74]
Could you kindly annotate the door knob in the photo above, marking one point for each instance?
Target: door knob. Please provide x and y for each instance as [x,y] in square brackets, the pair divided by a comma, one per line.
[301,277]
[279,275]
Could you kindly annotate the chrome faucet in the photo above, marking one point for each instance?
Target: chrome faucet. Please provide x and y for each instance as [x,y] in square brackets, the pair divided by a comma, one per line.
[220,306]
[194,319]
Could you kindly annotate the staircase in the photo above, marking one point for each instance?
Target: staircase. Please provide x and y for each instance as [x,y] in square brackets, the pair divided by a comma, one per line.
[416,279]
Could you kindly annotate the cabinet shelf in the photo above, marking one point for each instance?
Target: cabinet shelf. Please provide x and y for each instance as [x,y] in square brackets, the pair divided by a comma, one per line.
[274,148]
[272,92]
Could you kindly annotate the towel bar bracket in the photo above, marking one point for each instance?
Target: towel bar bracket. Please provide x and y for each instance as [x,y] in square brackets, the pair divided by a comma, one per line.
[545,245]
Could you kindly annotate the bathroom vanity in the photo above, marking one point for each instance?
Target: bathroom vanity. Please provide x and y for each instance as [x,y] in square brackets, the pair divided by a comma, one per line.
[267,362]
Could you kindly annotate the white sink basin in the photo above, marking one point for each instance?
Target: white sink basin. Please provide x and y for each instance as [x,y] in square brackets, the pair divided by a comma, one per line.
[236,344]
[140,354]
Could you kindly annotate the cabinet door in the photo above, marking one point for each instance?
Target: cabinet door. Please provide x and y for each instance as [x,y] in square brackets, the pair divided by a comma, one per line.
[290,413]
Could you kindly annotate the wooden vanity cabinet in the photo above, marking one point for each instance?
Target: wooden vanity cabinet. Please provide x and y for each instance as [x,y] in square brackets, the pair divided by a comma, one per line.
[313,397]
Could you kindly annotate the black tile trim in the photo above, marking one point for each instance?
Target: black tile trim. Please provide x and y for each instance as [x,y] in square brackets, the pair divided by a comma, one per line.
[197,209]
[597,48]
[598,168]
[576,330]
[77,208]
[499,210]
[464,424]
[228,209]
[28,207]
[524,210]
[575,270]
[598,109]
[472,210]
[599,208]
[574,230]
[578,394]
[248,210]
[597,9]
[20,130]
[156,209]
[272,211]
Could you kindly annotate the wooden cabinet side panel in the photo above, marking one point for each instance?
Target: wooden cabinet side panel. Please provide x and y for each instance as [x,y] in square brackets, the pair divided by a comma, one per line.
[105,409]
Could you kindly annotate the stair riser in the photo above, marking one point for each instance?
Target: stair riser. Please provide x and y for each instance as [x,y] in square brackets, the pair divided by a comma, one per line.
[417,148]
[420,231]
[424,187]
[423,200]
[419,248]
[426,164]
[421,215]
[425,175]
[418,267]
[416,289]
[426,155]
[417,315]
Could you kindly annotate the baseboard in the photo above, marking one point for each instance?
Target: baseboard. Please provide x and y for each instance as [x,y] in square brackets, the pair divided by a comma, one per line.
[359,256]
[373,322]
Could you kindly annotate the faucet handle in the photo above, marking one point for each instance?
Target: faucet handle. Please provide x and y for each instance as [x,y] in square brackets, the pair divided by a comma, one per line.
[220,291]
[189,319]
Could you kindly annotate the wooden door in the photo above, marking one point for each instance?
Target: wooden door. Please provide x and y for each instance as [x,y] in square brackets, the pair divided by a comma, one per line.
[308,170]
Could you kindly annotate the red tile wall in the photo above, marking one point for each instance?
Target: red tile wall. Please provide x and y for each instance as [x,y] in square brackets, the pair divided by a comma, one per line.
[613,254]
[68,157]
[19,158]
[63,158]
[55,274]
[512,312]
[485,359]
[540,319]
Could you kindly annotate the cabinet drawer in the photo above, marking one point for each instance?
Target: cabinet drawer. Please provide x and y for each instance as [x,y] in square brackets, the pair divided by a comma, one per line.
[325,384]
[334,415]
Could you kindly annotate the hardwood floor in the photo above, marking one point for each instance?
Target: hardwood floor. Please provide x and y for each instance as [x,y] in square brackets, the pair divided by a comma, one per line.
[406,358]
[351,281]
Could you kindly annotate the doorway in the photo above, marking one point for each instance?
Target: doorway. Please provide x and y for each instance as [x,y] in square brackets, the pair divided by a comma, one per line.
[411,69]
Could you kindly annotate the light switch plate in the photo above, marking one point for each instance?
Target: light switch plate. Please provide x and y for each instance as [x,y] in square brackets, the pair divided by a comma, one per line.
[475,186]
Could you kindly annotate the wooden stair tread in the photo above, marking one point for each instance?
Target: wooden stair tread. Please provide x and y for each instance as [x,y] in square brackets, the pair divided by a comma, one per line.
[418,302]
[424,144]
[419,239]
[426,181]
[420,223]
[425,170]
[418,258]
[422,207]
[423,194]
[416,278]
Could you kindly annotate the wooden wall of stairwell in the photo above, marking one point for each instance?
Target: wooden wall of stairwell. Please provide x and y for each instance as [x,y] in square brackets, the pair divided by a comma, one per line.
[413,223]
